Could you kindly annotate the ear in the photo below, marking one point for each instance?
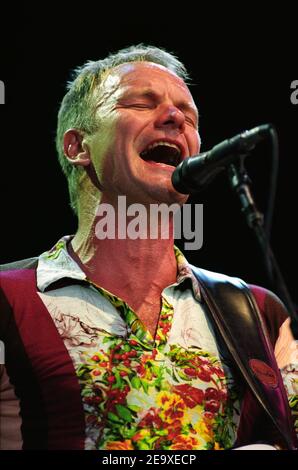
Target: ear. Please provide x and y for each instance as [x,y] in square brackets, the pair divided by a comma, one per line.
[75,149]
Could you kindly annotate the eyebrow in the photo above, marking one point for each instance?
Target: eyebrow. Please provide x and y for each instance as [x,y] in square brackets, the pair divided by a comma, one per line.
[151,94]
[142,92]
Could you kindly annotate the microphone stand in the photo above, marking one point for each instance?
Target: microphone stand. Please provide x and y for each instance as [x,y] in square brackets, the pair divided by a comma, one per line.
[240,183]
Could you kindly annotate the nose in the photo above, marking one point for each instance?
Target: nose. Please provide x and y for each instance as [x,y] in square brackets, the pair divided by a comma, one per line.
[170,117]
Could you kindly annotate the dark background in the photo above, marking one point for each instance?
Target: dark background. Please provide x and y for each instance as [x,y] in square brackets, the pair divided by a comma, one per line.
[242,67]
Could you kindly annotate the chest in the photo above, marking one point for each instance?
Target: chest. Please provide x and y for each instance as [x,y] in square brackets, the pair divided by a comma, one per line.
[149,313]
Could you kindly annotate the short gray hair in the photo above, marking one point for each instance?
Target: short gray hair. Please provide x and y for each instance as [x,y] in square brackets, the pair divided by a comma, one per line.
[77,108]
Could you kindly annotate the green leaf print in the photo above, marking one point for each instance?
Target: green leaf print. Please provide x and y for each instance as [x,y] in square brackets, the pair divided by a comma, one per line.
[293,401]
[134,408]
[113,417]
[136,383]
[119,381]
[127,432]
[124,413]
[107,339]
[145,385]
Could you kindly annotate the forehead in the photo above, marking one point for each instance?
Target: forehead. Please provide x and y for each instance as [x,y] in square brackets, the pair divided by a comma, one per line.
[148,75]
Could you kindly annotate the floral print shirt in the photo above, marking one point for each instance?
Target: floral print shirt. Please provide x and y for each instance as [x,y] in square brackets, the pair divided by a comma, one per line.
[173,391]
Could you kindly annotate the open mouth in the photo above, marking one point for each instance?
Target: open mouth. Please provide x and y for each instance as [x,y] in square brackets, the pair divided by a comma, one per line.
[162,152]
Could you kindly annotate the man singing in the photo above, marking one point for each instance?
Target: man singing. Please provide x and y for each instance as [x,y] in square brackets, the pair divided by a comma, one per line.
[117,342]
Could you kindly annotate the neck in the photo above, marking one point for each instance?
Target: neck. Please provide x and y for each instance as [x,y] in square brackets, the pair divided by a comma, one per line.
[137,270]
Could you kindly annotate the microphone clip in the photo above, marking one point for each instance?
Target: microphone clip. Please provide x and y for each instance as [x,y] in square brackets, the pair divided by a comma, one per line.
[241,182]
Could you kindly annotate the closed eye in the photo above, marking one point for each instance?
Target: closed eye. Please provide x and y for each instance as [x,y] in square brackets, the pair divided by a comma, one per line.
[136,105]
[141,105]
[190,121]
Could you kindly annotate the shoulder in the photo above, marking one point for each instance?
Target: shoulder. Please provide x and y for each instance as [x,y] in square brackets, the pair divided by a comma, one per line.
[17,268]
[272,309]
[17,281]
[11,274]
[28,263]
[214,278]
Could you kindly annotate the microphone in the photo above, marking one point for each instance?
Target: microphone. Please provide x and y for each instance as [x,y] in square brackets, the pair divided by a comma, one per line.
[195,173]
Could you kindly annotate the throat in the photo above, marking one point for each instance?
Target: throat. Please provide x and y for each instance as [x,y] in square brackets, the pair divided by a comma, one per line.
[149,314]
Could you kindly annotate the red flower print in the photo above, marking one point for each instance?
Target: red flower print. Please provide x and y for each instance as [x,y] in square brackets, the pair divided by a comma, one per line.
[223,393]
[154,353]
[132,353]
[151,420]
[183,443]
[119,445]
[191,372]
[174,413]
[141,370]
[192,396]
[204,373]
[212,405]
[174,430]
[218,371]
[92,420]
[208,415]
[212,394]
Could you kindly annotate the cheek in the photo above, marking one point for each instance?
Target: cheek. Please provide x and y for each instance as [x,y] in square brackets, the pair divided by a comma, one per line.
[102,141]
[194,143]
[198,142]
[127,137]
[129,125]
[114,160]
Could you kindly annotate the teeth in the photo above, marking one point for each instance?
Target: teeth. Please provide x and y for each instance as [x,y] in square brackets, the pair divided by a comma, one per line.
[167,144]
[158,144]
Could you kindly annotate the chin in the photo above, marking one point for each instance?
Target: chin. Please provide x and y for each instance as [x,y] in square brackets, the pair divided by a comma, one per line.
[154,190]
[178,198]
[167,196]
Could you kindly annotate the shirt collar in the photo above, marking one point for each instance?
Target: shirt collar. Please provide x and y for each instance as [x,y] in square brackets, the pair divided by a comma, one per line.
[57,264]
